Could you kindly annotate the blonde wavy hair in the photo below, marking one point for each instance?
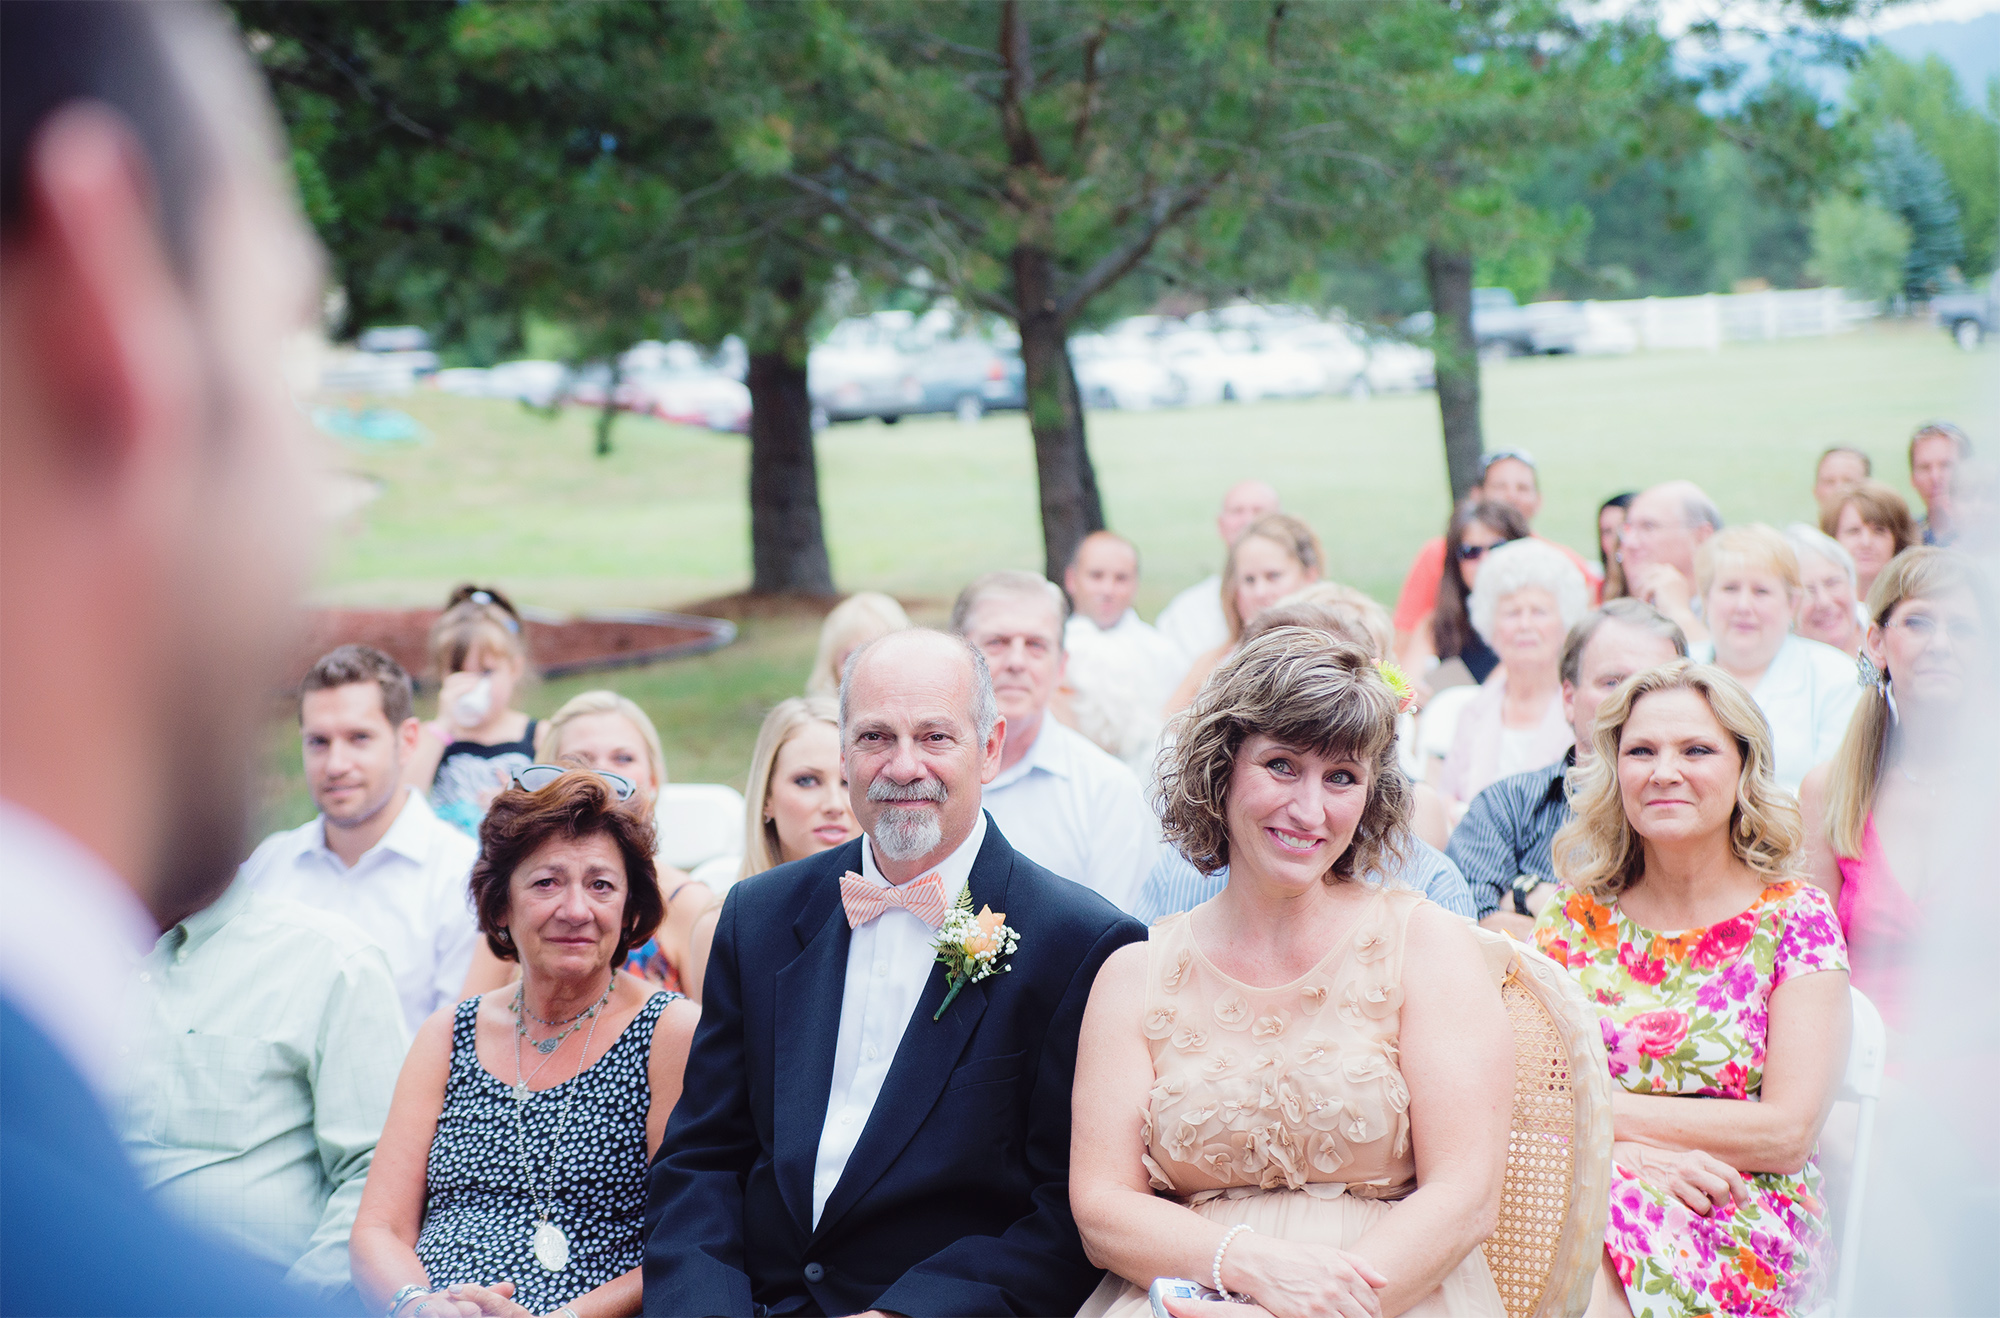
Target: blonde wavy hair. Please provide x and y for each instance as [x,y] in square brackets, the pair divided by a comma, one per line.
[548,733]
[785,721]
[1287,533]
[1600,853]
[1304,689]
[862,617]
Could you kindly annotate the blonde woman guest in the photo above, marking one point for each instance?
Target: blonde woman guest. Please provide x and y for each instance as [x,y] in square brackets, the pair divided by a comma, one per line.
[1368,1184]
[855,621]
[1720,979]
[1873,524]
[510,1179]
[1747,579]
[1874,811]
[605,731]
[1276,555]
[1527,597]
[469,752]
[797,790]
[1830,609]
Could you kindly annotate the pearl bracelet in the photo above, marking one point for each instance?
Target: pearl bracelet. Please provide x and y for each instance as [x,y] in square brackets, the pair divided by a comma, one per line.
[1215,1268]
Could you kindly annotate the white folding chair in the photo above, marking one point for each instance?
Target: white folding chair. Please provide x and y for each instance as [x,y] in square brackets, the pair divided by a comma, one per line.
[698,822]
[1861,1085]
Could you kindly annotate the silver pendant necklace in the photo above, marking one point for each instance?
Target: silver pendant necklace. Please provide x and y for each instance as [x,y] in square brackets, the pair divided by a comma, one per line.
[548,1243]
[574,1023]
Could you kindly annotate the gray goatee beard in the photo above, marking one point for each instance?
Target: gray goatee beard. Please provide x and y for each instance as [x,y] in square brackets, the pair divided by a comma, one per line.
[904,833]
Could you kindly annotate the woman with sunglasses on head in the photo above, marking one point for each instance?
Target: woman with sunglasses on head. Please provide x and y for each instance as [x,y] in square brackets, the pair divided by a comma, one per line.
[510,1177]
[1477,526]
[605,731]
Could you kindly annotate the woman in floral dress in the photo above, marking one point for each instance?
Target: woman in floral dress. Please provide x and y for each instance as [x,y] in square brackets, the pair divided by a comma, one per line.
[1718,973]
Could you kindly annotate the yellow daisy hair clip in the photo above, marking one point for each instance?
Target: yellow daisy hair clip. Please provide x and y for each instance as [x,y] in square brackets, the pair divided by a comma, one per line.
[1406,695]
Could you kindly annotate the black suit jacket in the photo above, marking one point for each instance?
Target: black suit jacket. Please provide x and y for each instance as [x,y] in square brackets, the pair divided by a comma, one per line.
[956,1200]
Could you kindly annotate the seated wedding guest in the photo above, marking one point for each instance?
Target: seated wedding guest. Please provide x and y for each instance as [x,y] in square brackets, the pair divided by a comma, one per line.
[1475,530]
[1664,528]
[797,790]
[1276,555]
[1367,1177]
[603,730]
[513,1178]
[860,618]
[1873,524]
[268,1042]
[1840,470]
[1506,476]
[376,854]
[1193,620]
[1502,844]
[1721,982]
[1527,599]
[1610,528]
[1875,811]
[1936,451]
[469,752]
[1830,609]
[1749,581]
[1062,802]
[156,531]
[864,1128]
[1120,670]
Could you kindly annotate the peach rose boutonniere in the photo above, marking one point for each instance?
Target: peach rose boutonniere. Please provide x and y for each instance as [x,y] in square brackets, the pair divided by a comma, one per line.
[971,947]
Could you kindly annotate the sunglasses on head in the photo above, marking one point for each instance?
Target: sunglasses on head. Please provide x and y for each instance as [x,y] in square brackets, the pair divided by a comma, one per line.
[537,776]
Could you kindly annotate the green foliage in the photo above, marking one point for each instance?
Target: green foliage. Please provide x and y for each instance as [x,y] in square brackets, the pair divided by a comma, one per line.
[1963,138]
[1906,180]
[1859,246]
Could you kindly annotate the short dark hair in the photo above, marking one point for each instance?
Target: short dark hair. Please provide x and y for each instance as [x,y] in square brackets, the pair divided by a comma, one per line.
[1625,609]
[55,53]
[579,804]
[353,664]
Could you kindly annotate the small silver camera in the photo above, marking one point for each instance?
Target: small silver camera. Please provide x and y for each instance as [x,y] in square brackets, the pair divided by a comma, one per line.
[1176,1288]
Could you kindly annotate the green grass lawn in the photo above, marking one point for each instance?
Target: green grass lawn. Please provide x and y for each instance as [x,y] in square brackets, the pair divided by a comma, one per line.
[502,495]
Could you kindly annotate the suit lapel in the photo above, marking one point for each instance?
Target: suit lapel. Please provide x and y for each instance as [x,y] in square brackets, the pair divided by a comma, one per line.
[809,990]
[929,1053]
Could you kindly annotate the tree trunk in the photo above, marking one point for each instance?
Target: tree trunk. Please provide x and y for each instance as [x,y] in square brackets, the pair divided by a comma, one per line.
[609,412]
[1071,509]
[1449,274]
[787,541]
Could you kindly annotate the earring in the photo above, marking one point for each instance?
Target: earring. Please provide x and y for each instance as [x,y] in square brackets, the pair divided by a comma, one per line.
[1866,674]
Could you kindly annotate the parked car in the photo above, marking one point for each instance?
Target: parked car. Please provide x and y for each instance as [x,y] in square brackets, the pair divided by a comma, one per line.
[1499,325]
[861,369]
[1396,366]
[1122,371]
[1340,351]
[1583,328]
[893,364]
[968,376]
[1238,366]
[687,393]
[538,383]
[1969,315]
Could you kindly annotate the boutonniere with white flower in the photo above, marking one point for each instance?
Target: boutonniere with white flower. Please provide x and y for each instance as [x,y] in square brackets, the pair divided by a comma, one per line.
[971,947]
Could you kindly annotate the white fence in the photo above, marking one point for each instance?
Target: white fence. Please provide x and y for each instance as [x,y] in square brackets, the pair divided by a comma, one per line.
[1711,320]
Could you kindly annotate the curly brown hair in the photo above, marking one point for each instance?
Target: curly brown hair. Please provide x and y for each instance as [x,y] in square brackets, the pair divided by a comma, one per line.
[579,804]
[1305,690]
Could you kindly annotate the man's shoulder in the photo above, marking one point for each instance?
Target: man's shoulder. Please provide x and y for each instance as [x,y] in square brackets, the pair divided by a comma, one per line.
[1093,767]
[279,851]
[299,933]
[773,898]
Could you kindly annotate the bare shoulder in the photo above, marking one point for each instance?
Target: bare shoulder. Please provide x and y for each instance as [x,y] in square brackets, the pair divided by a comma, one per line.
[1121,980]
[676,1023]
[1445,947]
[1812,791]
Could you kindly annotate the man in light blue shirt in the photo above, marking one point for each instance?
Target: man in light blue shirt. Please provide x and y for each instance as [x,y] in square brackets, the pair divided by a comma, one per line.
[1175,885]
[269,1043]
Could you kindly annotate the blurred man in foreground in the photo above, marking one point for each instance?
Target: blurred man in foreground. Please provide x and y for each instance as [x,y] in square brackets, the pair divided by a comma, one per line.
[1936,451]
[152,495]
[1120,671]
[1193,619]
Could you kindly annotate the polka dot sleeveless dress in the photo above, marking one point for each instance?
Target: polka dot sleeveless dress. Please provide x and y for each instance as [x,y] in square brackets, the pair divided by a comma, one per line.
[479,1219]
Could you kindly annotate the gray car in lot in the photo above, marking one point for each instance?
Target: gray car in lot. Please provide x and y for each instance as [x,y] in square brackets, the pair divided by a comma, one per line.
[890,366]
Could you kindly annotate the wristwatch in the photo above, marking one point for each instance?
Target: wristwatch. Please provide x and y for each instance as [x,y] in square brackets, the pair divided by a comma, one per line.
[1524,886]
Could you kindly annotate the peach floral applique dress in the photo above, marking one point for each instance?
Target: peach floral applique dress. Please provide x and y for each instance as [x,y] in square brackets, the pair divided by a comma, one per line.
[1284,1108]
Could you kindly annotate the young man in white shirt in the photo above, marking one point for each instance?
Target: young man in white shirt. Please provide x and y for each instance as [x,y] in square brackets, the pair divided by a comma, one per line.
[376,854]
[1120,671]
[1193,619]
[1061,801]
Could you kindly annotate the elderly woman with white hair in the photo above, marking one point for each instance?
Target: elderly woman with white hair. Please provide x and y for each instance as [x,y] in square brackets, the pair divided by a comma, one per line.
[1829,609]
[1524,602]
[1747,578]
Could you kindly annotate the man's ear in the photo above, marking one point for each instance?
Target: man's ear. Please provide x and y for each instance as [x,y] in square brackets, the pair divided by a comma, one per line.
[989,760]
[407,737]
[1569,703]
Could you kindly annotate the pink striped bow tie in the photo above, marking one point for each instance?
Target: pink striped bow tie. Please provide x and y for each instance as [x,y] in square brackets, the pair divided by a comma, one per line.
[865,901]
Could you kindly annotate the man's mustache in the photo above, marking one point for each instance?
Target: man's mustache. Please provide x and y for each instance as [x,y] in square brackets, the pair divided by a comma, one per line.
[923,789]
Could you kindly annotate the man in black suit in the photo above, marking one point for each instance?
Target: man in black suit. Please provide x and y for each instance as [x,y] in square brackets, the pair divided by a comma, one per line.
[845,1139]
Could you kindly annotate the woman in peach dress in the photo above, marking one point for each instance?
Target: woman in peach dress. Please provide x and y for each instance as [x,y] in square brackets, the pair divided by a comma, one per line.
[1264,1100]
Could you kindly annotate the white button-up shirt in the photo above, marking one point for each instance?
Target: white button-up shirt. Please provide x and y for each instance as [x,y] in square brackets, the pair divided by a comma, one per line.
[1193,619]
[1077,812]
[408,892]
[1119,679]
[1808,694]
[889,961]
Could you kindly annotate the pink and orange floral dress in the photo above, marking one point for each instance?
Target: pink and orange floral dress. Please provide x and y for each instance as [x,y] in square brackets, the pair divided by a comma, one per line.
[1687,1013]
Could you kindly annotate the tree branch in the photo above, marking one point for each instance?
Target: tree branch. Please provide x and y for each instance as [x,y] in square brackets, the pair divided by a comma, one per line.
[994,302]
[1168,210]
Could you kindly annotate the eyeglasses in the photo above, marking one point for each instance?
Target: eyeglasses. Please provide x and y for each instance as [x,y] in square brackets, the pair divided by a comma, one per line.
[537,776]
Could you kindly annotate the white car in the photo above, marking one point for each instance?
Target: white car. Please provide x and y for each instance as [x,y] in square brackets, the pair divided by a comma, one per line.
[538,383]
[1121,372]
[1396,367]
[464,381]
[1235,366]
[1340,352]
[691,396]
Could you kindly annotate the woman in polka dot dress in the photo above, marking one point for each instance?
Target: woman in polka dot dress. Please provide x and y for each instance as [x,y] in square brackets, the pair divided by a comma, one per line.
[510,1177]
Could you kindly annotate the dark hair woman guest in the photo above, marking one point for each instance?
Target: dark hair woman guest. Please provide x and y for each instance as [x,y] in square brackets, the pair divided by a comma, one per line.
[1476,527]
[509,1177]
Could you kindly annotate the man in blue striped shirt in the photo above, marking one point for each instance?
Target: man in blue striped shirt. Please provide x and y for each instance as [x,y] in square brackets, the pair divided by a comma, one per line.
[1502,844]
[1175,885]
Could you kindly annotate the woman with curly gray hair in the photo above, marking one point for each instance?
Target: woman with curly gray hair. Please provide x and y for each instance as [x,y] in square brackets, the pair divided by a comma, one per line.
[1264,1099]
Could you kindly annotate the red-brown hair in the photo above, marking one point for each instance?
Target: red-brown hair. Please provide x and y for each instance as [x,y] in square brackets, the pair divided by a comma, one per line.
[577,805]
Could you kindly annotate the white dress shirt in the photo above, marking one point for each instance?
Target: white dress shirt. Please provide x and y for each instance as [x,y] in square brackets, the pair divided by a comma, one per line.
[1808,696]
[1077,812]
[72,934]
[1119,679]
[408,892]
[1193,619]
[889,961]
